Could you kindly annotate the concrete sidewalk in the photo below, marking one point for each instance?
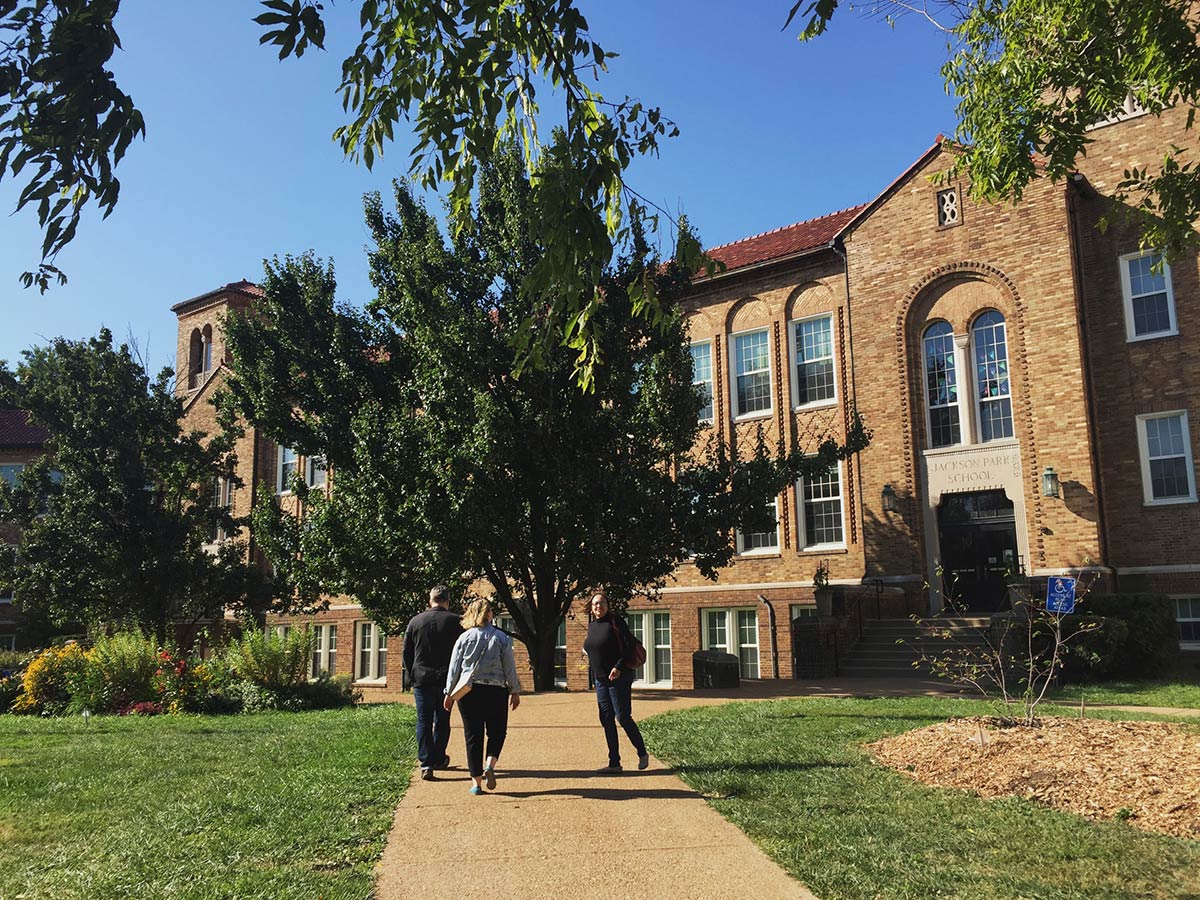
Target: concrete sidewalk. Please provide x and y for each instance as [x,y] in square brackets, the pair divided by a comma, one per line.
[555,828]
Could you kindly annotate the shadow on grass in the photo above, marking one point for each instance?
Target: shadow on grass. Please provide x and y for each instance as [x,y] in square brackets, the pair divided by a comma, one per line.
[766,765]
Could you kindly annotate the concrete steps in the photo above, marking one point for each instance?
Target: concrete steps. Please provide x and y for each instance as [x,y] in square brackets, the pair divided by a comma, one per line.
[889,647]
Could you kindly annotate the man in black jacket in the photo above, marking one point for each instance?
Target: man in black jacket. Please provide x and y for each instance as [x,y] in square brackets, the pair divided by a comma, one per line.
[428,640]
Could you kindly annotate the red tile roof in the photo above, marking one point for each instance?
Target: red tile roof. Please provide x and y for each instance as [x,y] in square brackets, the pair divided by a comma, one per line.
[784,242]
[17,431]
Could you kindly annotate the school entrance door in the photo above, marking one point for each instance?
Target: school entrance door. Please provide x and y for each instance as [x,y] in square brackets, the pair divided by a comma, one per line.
[977,533]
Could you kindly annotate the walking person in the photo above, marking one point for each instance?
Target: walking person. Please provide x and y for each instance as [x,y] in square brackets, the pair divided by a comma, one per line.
[610,648]
[428,642]
[482,663]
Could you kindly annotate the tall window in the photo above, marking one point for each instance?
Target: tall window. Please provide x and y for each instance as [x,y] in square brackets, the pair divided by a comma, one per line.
[560,655]
[702,377]
[941,385]
[992,389]
[372,653]
[315,472]
[653,629]
[1168,474]
[222,499]
[752,368]
[10,471]
[761,541]
[324,658]
[1149,300]
[285,468]
[812,346]
[734,631]
[821,509]
[206,349]
[8,642]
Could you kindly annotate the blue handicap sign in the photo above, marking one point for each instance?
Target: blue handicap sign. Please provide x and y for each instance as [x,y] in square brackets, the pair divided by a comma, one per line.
[1060,594]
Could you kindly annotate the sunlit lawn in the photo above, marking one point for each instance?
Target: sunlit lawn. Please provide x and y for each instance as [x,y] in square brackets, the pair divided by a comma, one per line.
[794,776]
[274,805]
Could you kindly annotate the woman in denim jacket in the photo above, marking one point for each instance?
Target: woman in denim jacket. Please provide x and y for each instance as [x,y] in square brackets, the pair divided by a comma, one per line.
[483,658]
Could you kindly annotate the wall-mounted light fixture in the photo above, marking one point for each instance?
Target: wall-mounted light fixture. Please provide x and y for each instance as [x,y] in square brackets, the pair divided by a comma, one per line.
[1050,486]
[889,498]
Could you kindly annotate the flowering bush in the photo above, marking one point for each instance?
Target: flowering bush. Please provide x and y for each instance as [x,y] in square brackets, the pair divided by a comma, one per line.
[273,662]
[118,672]
[143,708]
[48,677]
[10,689]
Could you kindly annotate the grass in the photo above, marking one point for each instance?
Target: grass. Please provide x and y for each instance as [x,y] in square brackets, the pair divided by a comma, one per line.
[1175,694]
[274,805]
[794,776]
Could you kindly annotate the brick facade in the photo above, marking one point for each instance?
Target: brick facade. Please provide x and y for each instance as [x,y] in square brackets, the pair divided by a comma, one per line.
[880,276]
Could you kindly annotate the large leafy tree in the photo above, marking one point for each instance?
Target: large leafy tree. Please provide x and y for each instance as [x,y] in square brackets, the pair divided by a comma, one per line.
[1033,76]
[115,516]
[446,467]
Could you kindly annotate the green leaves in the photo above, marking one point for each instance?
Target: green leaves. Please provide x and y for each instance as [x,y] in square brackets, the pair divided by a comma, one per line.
[292,27]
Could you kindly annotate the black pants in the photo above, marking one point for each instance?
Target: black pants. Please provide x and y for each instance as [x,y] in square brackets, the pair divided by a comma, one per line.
[485,708]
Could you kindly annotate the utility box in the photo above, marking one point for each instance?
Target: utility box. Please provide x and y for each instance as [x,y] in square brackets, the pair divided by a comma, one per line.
[715,669]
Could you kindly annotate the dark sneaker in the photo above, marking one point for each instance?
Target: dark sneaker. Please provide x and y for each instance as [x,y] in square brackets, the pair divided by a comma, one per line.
[426,774]
[644,761]
[610,769]
[445,762]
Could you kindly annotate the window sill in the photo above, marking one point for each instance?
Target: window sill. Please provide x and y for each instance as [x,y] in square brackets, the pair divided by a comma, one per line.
[817,549]
[372,682]
[1153,336]
[820,404]
[759,554]
[1169,501]
[754,416]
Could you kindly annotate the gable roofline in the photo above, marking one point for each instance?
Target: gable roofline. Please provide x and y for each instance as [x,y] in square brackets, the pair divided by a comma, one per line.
[887,192]
[18,433]
[190,402]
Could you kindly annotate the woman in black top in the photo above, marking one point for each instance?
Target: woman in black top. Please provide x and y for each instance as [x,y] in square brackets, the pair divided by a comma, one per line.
[609,646]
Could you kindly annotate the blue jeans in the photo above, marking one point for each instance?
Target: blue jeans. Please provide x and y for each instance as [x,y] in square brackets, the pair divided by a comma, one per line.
[616,706]
[433,726]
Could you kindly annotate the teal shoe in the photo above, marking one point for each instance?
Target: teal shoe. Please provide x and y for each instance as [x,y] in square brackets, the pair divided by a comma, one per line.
[476,790]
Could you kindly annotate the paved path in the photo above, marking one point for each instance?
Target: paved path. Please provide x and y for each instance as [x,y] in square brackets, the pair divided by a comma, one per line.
[554,828]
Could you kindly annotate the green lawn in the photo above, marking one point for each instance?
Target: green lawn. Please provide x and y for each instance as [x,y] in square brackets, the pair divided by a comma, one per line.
[274,805]
[1175,694]
[794,776]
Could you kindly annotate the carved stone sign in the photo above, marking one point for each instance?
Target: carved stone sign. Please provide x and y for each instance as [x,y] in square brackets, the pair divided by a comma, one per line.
[971,470]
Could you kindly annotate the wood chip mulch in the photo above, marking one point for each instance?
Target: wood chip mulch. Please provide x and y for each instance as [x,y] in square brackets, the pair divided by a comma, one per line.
[1147,773]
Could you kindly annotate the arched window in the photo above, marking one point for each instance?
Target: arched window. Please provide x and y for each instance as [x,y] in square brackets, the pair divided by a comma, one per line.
[195,356]
[941,385]
[206,354]
[993,392]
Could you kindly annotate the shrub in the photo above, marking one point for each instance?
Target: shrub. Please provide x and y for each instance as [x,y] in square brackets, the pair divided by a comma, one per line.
[270,661]
[326,693]
[142,708]
[1152,645]
[12,662]
[1091,655]
[10,690]
[119,672]
[47,678]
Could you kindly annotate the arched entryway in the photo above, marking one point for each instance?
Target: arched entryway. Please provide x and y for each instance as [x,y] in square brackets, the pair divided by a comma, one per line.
[977,534]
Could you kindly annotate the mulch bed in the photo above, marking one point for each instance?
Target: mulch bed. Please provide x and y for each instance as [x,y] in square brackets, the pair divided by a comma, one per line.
[1147,773]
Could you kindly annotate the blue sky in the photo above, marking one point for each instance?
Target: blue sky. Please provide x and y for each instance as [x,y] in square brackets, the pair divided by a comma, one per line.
[238,163]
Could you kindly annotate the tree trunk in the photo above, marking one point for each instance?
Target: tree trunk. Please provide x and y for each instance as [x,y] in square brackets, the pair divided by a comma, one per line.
[541,658]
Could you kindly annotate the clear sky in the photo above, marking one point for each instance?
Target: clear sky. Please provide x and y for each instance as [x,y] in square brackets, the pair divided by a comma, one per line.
[238,163]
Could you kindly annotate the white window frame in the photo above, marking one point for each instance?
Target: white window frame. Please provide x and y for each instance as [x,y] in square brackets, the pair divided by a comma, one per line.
[1127,296]
[642,624]
[742,550]
[978,401]
[312,466]
[284,468]
[377,649]
[324,655]
[1193,616]
[16,468]
[1144,459]
[964,428]
[802,530]
[802,611]
[708,345]
[738,415]
[732,635]
[794,362]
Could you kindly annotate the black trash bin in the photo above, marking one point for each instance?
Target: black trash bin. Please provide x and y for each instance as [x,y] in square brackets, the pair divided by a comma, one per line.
[715,669]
